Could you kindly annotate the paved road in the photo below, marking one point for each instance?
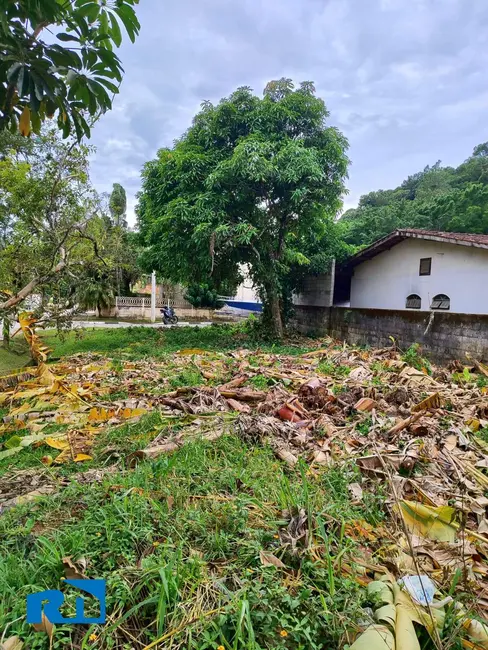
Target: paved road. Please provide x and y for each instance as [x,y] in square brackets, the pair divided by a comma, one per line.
[78,324]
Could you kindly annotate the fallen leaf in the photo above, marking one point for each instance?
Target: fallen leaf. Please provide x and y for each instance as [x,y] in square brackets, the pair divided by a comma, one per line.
[450,442]
[74,570]
[427,521]
[268,559]
[12,643]
[189,352]
[46,626]
[356,490]
[375,637]
[238,406]
[81,457]
[365,404]
[431,402]
[478,632]
[57,443]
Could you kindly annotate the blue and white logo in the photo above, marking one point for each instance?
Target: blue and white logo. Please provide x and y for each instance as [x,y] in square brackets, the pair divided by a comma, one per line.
[51,601]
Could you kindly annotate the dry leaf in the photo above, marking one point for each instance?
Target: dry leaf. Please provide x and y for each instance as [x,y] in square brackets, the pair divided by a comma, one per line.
[74,570]
[365,404]
[431,402]
[268,559]
[356,490]
[81,457]
[12,643]
[46,626]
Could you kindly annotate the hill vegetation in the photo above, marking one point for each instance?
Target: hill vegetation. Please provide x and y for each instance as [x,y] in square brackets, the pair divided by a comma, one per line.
[437,198]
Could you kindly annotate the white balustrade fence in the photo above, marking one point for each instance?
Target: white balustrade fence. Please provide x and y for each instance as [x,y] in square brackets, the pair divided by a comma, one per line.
[136,302]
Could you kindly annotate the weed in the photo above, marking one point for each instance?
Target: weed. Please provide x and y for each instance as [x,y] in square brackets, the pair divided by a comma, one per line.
[481,381]
[326,367]
[413,358]
[187,377]
[260,382]
[364,426]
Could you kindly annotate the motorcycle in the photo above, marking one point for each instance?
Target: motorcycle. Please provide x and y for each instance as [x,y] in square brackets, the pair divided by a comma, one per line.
[168,315]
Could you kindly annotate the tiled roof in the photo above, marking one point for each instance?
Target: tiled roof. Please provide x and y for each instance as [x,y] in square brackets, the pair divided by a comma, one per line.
[467,237]
[395,237]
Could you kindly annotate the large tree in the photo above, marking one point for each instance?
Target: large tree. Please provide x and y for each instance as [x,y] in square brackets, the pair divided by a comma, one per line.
[249,182]
[56,57]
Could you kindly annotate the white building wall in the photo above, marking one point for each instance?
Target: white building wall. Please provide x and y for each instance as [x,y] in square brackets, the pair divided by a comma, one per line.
[460,272]
[246,293]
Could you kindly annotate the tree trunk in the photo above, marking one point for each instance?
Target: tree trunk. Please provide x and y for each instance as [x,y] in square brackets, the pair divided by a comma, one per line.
[275,311]
[6,333]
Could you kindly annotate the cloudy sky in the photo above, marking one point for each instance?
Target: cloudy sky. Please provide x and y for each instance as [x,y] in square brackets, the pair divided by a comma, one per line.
[405,80]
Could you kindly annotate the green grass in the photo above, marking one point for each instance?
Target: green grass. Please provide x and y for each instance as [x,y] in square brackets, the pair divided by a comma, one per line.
[183,534]
[138,342]
[17,356]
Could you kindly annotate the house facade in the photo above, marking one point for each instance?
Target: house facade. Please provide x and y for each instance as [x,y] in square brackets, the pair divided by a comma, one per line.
[418,270]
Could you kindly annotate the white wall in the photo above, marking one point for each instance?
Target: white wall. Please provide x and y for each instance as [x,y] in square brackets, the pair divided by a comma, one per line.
[461,272]
[245,292]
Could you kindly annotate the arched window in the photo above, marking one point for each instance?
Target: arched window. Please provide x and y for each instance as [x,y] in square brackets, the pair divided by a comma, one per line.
[441,301]
[413,301]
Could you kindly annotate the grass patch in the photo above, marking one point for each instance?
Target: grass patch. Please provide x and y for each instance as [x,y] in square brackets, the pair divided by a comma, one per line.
[15,357]
[139,342]
[178,541]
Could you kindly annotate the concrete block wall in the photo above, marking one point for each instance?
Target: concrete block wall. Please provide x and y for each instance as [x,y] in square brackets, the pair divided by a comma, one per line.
[447,336]
[317,290]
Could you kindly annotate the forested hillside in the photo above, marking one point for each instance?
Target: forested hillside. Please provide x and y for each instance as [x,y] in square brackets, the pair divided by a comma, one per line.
[437,198]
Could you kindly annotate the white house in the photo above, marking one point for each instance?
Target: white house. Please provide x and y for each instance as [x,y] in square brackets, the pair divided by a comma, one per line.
[418,269]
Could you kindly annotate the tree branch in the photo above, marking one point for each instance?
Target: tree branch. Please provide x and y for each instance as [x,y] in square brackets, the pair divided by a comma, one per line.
[29,288]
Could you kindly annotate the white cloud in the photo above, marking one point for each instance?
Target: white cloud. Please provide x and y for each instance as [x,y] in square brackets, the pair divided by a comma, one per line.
[403,80]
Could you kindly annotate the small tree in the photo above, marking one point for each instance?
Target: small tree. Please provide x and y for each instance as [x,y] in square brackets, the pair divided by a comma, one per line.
[118,206]
[248,182]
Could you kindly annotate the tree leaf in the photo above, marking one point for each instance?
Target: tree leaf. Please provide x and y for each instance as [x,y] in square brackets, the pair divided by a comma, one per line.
[115,31]
[67,37]
[24,122]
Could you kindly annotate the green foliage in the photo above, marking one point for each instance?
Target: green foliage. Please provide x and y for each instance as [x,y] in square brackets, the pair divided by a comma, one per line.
[73,76]
[202,295]
[253,181]
[138,342]
[413,357]
[118,205]
[437,198]
[96,291]
[51,221]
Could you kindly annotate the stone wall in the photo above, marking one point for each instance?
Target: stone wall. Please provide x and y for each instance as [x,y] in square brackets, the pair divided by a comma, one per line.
[442,335]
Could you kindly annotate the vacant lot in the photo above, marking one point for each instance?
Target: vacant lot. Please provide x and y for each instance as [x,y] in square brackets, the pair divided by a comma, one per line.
[239,495]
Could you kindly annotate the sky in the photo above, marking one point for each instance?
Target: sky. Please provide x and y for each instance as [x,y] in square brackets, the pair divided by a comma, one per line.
[404,80]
